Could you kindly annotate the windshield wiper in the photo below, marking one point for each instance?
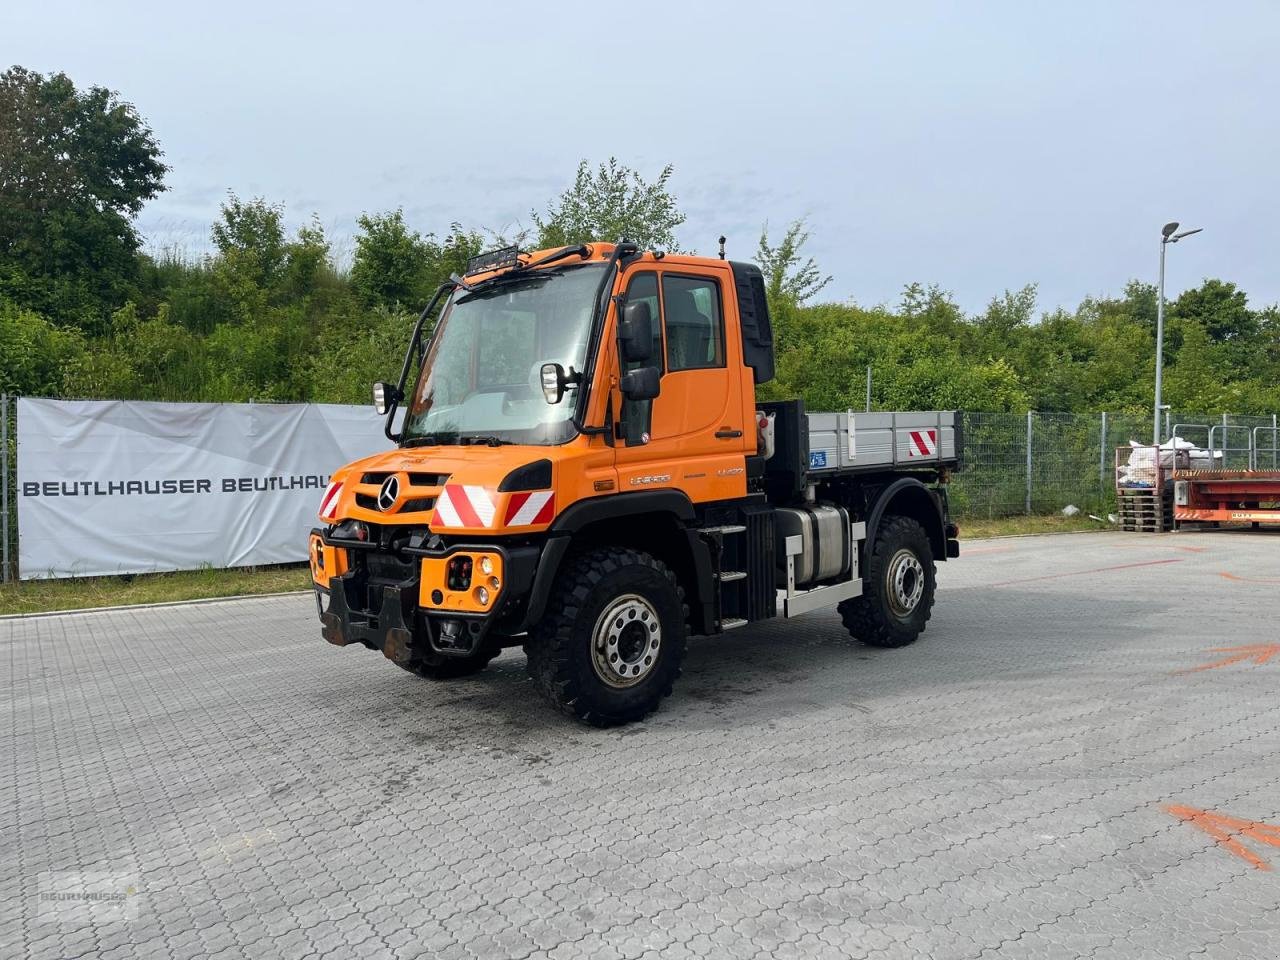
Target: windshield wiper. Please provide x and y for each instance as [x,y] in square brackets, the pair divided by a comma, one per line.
[489,440]
[430,439]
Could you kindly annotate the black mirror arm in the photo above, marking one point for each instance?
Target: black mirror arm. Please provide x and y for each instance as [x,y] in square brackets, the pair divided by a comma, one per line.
[415,344]
[598,307]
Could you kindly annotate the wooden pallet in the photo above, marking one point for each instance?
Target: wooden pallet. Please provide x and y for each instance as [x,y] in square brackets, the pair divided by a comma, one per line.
[1144,511]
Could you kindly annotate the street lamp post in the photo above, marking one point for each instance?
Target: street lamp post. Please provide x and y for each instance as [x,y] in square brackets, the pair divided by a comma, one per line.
[1167,236]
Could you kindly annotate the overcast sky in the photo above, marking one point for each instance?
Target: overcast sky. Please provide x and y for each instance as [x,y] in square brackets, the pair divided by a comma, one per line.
[975,145]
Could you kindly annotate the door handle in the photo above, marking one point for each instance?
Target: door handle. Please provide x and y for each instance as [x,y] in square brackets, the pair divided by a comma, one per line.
[724,433]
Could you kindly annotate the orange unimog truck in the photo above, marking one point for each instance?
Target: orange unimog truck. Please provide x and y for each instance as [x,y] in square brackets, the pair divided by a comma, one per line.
[582,467]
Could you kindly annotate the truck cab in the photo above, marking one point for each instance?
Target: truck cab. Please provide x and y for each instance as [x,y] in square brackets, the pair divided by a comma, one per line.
[581,467]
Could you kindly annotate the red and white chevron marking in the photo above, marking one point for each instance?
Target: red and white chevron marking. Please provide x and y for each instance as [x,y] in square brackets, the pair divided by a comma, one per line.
[526,508]
[924,443]
[329,502]
[464,505]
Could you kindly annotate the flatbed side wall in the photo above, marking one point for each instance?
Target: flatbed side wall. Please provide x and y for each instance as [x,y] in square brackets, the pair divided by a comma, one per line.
[851,442]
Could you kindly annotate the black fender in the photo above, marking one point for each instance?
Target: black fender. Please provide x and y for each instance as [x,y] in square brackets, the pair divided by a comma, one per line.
[910,498]
[618,505]
[688,553]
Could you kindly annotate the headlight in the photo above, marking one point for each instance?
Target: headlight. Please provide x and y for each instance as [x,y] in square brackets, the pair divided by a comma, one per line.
[486,565]
[483,596]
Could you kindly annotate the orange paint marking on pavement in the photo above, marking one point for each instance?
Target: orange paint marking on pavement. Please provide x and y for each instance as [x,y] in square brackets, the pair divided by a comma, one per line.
[1148,545]
[1081,573]
[1232,576]
[974,553]
[1259,653]
[1226,829]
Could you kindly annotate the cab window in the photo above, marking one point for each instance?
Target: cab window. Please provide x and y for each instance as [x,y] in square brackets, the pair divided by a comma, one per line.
[638,415]
[693,322]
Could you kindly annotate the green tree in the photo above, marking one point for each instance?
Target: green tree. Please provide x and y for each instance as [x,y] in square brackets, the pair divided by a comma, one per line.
[612,203]
[790,278]
[1007,313]
[250,239]
[75,169]
[390,262]
[1220,308]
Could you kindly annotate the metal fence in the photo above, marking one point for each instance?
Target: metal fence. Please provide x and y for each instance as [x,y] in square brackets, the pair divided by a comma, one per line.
[1033,463]
[1036,463]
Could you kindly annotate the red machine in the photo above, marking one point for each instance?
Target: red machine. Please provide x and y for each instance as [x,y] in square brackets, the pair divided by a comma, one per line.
[1226,496]
[1220,495]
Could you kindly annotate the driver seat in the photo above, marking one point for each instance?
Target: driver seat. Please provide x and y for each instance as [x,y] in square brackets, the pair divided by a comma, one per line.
[689,332]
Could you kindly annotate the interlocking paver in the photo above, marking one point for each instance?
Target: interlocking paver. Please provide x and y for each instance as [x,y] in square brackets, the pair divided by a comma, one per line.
[994,790]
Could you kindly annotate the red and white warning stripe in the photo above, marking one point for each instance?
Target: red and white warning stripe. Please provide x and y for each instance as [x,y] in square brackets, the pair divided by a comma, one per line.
[463,505]
[526,508]
[329,502]
[924,443]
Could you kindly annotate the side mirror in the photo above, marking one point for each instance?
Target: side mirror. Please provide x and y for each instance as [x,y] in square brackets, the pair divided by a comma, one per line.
[635,333]
[385,396]
[643,383]
[553,382]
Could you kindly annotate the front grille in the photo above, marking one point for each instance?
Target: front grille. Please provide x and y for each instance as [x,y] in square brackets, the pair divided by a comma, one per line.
[416,505]
[428,479]
[377,478]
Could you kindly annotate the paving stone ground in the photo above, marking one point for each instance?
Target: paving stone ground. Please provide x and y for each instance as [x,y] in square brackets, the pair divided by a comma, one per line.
[997,789]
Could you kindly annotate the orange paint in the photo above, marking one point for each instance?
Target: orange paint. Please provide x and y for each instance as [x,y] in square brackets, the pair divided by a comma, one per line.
[1226,829]
[1259,653]
[1232,576]
[980,550]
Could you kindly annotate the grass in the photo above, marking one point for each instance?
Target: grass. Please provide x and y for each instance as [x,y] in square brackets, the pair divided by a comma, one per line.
[39,596]
[1020,526]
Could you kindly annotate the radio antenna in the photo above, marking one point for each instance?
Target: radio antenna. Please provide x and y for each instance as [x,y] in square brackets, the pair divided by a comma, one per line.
[722,246]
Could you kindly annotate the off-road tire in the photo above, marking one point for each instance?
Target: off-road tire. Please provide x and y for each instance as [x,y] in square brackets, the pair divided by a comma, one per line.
[560,646]
[872,617]
[436,666]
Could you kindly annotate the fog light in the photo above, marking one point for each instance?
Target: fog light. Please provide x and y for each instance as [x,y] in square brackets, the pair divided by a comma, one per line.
[486,565]
[483,596]
[495,582]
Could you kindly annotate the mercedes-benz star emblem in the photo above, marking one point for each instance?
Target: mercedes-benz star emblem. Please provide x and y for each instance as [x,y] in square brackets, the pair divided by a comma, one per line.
[389,493]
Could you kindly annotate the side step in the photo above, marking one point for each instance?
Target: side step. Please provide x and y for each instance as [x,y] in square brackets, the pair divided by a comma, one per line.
[732,623]
[728,576]
[728,528]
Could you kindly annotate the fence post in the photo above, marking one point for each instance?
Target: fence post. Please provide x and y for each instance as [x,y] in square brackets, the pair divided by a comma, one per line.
[4,487]
[1102,458]
[1275,441]
[869,401]
[1029,414]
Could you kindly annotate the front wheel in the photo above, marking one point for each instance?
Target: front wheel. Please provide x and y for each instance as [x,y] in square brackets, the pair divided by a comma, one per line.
[612,641]
[900,578]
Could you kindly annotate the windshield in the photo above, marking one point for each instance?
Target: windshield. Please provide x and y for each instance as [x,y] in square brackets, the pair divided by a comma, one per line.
[481,377]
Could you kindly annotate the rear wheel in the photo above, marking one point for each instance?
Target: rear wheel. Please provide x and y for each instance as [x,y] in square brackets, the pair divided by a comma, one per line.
[899,587]
[435,666]
[612,641]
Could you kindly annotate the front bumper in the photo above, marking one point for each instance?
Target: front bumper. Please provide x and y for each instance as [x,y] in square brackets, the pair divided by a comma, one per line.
[378,599]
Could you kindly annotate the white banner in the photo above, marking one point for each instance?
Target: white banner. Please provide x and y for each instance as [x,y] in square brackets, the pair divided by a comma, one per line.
[117,486]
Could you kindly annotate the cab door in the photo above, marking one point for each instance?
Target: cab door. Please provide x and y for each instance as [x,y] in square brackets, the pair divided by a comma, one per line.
[692,436]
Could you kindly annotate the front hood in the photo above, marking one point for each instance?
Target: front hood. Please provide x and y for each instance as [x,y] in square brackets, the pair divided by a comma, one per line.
[451,489]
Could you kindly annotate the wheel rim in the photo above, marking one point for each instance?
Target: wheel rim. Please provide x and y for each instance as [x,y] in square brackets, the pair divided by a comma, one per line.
[905,582]
[626,641]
